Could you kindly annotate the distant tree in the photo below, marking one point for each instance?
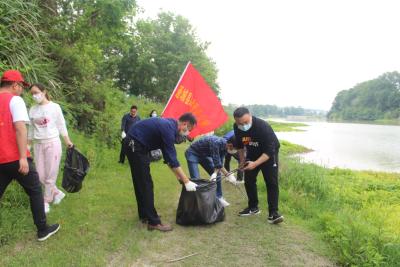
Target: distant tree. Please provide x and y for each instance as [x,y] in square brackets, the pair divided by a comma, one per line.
[158,55]
[370,100]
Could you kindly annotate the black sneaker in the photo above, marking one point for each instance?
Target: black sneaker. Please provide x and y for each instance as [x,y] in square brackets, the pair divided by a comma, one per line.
[49,231]
[275,218]
[249,211]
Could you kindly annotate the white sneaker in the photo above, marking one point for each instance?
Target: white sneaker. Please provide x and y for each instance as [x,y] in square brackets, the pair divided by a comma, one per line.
[58,198]
[46,207]
[223,202]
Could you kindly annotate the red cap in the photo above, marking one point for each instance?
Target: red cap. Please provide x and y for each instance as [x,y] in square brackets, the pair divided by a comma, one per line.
[13,76]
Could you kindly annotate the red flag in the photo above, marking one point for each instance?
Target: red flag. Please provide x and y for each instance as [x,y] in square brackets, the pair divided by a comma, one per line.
[192,94]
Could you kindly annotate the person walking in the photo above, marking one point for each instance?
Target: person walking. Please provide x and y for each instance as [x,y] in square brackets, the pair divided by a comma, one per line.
[127,121]
[262,147]
[15,160]
[209,152]
[47,124]
[147,135]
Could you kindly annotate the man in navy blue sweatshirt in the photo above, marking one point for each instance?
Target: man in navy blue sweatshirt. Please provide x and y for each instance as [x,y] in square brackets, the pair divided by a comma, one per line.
[152,134]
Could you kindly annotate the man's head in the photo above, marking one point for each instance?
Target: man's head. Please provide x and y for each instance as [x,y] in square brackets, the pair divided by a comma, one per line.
[13,81]
[133,111]
[243,118]
[231,145]
[186,123]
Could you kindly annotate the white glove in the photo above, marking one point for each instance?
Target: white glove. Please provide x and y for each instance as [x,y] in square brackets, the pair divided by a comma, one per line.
[123,134]
[190,186]
[213,176]
[232,179]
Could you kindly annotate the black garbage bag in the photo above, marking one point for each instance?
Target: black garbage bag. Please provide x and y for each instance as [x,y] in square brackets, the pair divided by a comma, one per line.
[200,207]
[76,167]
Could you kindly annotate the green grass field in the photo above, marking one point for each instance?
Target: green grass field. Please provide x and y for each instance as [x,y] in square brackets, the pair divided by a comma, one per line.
[332,216]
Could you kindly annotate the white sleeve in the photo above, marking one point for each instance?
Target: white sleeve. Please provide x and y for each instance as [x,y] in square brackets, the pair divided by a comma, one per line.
[18,109]
[30,129]
[60,121]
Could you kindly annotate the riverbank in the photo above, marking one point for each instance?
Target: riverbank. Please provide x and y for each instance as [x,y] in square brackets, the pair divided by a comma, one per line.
[356,212]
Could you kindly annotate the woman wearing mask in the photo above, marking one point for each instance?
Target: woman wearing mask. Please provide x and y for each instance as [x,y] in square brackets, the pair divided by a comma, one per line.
[47,123]
[153,113]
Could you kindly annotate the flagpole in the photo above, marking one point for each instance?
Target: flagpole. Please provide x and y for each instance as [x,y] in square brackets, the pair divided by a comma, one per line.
[176,87]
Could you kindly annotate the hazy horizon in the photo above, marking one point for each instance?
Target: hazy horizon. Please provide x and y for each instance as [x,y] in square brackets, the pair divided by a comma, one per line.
[292,53]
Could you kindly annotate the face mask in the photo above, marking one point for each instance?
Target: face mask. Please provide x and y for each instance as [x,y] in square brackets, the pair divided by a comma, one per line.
[232,151]
[180,139]
[245,127]
[154,115]
[38,98]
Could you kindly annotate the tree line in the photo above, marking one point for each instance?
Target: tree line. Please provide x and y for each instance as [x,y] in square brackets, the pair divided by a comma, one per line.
[92,54]
[282,112]
[377,99]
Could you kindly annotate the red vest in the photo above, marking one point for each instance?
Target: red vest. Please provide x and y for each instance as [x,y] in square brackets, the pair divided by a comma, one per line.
[8,139]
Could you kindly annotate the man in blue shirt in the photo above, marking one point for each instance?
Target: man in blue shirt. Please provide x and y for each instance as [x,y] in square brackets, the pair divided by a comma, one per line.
[152,134]
[128,120]
[209,152]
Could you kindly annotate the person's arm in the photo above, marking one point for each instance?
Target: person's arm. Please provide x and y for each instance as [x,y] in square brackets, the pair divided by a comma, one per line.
[250,165]
[123,123]
[266,146]
[180,175]
[62,126]
[21,135]
[215,155]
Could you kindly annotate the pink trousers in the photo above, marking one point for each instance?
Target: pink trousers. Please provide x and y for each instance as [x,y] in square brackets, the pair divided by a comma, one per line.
[47,161]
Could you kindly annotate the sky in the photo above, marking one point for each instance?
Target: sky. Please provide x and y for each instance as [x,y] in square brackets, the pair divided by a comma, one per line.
[291,52]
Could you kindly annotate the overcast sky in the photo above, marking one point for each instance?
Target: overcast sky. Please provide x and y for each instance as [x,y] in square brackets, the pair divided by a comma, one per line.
[292,53]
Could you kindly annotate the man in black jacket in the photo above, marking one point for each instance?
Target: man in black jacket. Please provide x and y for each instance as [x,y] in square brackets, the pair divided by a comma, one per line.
[262,147]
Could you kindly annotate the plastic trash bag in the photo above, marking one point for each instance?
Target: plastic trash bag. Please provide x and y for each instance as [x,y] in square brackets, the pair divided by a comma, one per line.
[76,167]
[200,207]
[155,155]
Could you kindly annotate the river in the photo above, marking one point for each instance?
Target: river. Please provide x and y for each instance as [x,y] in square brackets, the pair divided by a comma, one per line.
[349,145]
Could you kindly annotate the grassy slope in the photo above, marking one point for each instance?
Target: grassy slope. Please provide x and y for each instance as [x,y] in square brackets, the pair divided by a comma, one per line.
[100,227]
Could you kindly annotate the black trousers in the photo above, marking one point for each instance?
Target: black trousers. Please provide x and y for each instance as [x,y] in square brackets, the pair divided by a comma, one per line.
[269,170]
[139,161]
[122,152]
[227,166]
[31,185]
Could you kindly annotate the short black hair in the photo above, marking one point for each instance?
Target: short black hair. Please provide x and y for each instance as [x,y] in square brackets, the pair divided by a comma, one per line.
[239,112]
[6,83]
[133,107]
[188,117]
[232,141]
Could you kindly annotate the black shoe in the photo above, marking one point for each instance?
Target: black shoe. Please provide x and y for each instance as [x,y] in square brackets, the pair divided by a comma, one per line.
[249,211]
[275,218]
[49,231]
[121,162]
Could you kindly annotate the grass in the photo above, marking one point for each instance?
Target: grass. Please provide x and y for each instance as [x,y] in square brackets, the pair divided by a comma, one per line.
[100,226]
[332,215]
[285,126]
[356,212]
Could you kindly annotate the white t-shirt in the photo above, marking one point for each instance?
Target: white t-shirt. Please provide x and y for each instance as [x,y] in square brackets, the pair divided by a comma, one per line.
[47,122]
[18,109]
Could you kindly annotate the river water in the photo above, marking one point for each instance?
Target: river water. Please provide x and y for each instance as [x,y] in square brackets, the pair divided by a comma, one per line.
[349,145]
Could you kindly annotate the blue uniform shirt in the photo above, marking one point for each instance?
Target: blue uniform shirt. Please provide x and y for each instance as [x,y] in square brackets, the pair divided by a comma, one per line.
[211,146]
[128,121]
[157,133]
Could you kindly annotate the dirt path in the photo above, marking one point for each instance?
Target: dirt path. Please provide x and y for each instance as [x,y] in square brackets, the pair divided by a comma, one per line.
[238,241]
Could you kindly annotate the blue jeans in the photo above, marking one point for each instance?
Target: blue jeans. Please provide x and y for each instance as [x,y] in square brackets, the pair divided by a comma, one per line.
[193,161]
